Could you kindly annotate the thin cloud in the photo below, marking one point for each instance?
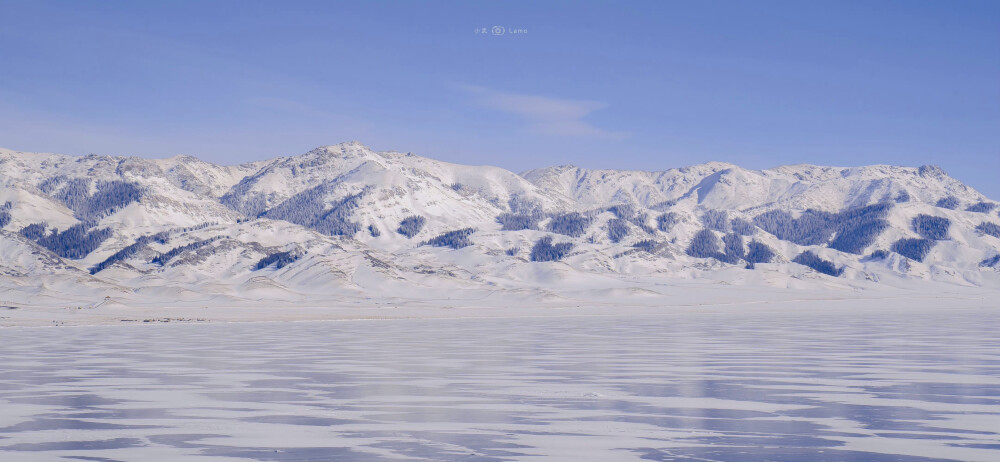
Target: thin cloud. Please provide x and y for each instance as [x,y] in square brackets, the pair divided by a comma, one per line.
[543,114]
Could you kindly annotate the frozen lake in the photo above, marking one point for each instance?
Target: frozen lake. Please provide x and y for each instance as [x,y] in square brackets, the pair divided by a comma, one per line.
[722,386]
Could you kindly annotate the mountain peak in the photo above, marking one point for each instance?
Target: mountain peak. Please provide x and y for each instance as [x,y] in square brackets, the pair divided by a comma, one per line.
[346,146]
[716,165]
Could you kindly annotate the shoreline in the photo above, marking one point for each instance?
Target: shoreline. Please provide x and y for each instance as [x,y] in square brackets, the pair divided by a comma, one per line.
[33,317]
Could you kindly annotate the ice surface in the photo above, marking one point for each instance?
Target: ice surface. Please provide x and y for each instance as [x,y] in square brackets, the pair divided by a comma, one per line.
[753,385]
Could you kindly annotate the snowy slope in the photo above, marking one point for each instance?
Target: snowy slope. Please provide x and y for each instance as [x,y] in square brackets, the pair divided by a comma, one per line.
[323,227]
[718,185]
[394,185]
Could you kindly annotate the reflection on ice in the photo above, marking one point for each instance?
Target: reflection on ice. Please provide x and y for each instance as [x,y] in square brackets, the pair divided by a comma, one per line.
[671,387]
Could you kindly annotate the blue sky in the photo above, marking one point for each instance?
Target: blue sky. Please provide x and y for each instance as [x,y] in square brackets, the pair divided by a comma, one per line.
[637,85]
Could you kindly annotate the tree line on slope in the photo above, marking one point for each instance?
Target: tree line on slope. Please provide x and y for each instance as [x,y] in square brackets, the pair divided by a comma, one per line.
[129,251]
[647,245]
[545,250]
[719,220]
[989,228]
[278,259]
[411,225]
[950,203]
[913,248]
[524,214]
[706,244]
[617,229]
[574,224]
[666,221]
[75,242]
[628,213]
[855,228]
[109,196]
[5,217]
[165,257]
[931,227]
[734,251]
[308,208]
[758,252]
[810,259]
[456,239]
[571,224]
[981,207]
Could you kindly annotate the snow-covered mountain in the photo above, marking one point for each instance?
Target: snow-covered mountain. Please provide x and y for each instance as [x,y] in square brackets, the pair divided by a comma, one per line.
[345,223]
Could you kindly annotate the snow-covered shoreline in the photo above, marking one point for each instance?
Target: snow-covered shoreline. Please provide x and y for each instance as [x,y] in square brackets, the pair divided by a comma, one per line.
[778,303]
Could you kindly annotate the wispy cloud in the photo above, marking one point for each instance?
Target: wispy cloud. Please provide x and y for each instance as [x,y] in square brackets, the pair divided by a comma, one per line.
[543,114]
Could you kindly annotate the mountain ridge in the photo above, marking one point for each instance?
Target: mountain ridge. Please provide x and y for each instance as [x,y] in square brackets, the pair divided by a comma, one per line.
[334,217]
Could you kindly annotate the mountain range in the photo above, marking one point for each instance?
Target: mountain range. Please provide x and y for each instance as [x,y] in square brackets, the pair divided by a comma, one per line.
[344,224]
